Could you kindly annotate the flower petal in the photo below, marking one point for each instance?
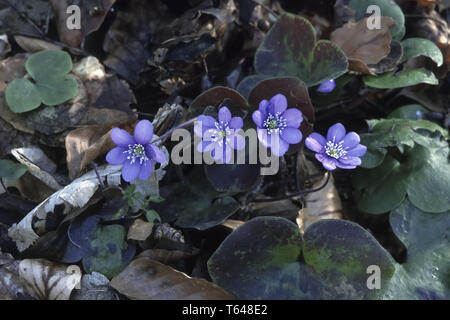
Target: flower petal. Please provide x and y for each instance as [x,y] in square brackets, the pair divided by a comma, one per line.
[294,117]
[352,161]
[237,141]
[143,132]
[279,148]
[263,137]
[345,166]
[327,162]
[336,132]
[278,103]
[226,157]
[258,118]
[327,86]
[146,170]
[236,123]
[351,140]
[130,171]
[155,153]
[263,107]
[121,137]
[315,142]
[224,114]
[202,124]
[291,135]
[205,146]
[116,156]
[357,151]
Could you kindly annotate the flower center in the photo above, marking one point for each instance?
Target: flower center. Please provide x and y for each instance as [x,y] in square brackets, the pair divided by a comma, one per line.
[221,133]
[335,150]
[136,152]
[275,123]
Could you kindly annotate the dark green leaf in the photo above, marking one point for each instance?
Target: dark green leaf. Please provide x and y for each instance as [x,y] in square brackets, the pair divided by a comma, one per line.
[10,170]
[290,50]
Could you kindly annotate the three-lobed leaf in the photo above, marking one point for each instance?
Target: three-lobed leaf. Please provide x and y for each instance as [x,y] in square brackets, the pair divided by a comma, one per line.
[51,83]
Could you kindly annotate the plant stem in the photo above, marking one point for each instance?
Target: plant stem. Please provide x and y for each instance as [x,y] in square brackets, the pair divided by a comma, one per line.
[166,134]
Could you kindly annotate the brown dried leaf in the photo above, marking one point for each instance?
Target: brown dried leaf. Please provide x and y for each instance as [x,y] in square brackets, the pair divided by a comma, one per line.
[30,44]
[323,204]
[362,45]
[166,256]
[140,230]
[46,280]
[85,144]
[92,17]
[146,279]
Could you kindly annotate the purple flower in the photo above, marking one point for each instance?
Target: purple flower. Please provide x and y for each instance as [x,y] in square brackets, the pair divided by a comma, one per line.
[338,149]
[220,137]
[327,86]
[135,153]
[277,126]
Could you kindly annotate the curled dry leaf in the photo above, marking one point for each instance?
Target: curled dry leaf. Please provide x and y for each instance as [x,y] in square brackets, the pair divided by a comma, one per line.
[322,204]
[46,280]
[363,46]
[85,144]
[95,286]
[35,160]
[146,279]
[32,45]
[140,230]
[72,197]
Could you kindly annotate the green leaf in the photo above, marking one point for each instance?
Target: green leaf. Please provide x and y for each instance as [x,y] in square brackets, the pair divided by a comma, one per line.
[404,78]
[195,203]
[267,258]
[109,251]
[388,8]
[55,63]
[414,47]
[10,170]
[248,83]
[290,49]
[51,85]
[152,215]
[155,198]
[410,112]
[423,173]
[426,236]
[22,96]
[56,90]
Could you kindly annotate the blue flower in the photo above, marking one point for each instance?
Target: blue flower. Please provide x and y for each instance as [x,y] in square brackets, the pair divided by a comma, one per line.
[327,86]
[338,149]
[136,154]
[220,137]
[277,125]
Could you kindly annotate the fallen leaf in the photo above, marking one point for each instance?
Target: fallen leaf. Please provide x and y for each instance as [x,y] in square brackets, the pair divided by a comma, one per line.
[32,45]
[46,280]
[85,144]
[140,230]
[362,45]
[92,16]
[146,279]
[72,197]
[322,204]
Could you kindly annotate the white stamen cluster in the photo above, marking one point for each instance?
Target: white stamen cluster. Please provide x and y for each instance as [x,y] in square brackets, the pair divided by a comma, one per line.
[335,150]
[221,133]
[136,152]
[275,123]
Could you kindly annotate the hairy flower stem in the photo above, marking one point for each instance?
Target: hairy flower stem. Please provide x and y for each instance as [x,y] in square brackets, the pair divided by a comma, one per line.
[168,133]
